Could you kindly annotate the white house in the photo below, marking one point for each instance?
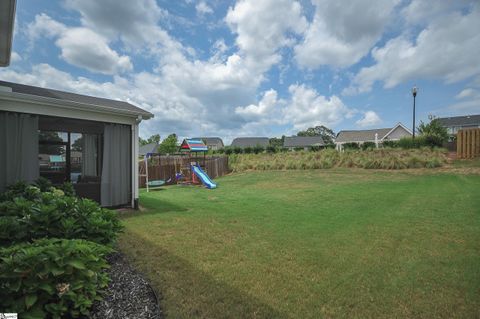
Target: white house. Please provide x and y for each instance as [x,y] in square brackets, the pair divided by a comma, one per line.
[377,136]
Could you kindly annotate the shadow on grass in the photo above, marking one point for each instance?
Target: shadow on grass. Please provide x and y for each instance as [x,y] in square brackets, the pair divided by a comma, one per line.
[153,206]
[187,291]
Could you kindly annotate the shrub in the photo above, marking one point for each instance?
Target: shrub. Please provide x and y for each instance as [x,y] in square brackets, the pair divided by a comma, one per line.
[52,278]
[409,143]
[237,150]
[351,145]
[228,150]
[368,145]
[391,144]
[258,149]
[271,149]
[33,214]
[248,150]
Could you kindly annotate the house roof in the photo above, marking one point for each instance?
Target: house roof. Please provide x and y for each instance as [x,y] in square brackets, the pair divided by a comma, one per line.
[460,120]
[303,141]
[7,19]
[147,148]
[210,140]
[361,135]
[250,141]
[96,102]
[366,135]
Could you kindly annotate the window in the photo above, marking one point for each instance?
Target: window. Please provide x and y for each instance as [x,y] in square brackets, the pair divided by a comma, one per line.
[68,156]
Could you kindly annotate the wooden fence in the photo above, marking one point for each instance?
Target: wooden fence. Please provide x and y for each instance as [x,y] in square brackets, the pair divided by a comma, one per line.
[165,167]
[468,143]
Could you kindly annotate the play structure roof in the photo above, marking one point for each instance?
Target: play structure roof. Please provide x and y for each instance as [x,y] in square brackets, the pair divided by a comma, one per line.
[193,145]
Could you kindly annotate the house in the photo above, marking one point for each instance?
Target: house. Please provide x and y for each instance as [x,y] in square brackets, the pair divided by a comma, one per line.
[148,148]
[243,142]
[455,123]
[376,136]
[305,142]
[62,136]
[213,143]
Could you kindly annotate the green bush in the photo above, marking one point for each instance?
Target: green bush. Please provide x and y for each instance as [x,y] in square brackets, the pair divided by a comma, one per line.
[228,150]
[271,149]
[409,143]
[237,150]
[351,146]
[52,278]
[248,150]
[33,214]
[258,149]
[391,144]
[368,145]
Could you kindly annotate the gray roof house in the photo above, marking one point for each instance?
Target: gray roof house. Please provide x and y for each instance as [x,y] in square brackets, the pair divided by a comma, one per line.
[51,123]
[213,143]
[374,135]
[243,142]
[147,148]
[455,123]
[292,142]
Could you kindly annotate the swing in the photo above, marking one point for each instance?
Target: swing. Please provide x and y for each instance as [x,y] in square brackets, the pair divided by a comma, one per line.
[154,183]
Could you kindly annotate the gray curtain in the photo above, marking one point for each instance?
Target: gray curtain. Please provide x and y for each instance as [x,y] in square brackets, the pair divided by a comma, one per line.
[18,148]
[89,155]
[116,168]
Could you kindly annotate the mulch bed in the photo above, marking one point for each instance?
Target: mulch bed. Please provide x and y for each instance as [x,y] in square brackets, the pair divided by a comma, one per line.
[128,295]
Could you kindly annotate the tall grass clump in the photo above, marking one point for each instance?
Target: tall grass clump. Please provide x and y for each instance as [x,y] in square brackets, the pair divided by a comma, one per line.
[370,158]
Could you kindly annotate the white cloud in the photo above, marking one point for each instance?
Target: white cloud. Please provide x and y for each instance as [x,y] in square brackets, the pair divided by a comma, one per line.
[370,118]
[308,108]
[81,47]
[203,8]
[15,57]
[342,33]
[443,50]
[262,28]
[469,92]
[263,109]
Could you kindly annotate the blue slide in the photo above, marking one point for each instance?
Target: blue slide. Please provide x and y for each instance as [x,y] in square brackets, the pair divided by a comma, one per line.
[203,177]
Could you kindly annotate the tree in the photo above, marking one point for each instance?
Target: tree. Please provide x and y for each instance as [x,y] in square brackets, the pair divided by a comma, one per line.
[168,145]
[152,139]
[435,134]
[277,142]
[327,134]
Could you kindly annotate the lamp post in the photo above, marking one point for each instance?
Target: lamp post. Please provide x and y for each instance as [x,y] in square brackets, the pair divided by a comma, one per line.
[414,93]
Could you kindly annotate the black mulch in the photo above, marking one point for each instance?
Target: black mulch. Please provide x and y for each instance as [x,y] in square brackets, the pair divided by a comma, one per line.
[128,295]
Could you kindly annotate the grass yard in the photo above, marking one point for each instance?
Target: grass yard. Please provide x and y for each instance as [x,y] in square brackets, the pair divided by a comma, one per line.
[310,244]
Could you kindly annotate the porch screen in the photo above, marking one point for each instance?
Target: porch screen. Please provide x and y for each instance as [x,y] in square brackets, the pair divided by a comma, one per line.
[116,168]
[18,148]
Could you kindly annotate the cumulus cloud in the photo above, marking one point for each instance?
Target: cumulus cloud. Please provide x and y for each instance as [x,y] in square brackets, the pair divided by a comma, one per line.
[81,47]
[203,8]
[341,34]
[262,109]
[263,27]
[370,118]
[308,108]
[442,50]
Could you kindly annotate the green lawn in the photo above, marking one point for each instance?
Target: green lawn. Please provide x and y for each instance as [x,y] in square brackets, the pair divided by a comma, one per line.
[313,244]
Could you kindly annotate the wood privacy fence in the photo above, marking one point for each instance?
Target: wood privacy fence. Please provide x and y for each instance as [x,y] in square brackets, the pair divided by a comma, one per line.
[468,143]
[165,167]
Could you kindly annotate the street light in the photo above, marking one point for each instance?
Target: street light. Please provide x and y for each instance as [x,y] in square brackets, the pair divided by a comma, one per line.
[414,93]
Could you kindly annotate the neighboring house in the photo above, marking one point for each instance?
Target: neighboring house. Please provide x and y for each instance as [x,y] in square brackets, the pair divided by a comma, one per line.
[375,135]
[44,123]
[455,123]
[243,142]
[213,143]
[148,148]
[305,142]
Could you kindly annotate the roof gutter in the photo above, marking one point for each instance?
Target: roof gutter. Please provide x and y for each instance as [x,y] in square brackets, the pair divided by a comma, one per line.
[7,21]
[65,104]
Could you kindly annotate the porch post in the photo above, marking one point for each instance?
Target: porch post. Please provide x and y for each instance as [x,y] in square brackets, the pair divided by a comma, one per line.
[134,202]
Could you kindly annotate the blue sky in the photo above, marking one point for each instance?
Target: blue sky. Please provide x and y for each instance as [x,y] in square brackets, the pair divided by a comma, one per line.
[256,68]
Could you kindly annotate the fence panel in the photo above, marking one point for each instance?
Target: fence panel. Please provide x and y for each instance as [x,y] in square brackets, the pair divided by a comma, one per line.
[468,143]
[165,167]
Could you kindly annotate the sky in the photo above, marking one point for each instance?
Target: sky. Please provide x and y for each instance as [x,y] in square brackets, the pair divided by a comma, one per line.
[256,67]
